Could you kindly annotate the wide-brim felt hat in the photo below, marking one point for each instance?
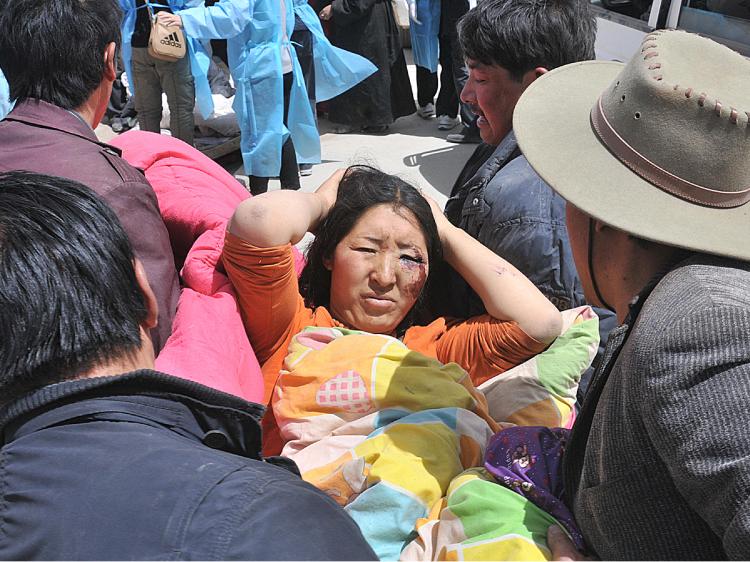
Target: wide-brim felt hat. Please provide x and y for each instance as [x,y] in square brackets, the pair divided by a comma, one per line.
[658,147]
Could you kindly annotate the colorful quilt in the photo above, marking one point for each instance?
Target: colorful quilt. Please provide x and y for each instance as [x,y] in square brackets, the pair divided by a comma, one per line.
[395,438]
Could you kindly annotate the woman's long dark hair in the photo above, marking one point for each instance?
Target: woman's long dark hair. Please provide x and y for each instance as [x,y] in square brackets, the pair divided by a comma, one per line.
[362,188]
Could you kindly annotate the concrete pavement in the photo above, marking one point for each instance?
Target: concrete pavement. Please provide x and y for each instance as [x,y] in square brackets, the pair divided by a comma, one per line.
[413,148]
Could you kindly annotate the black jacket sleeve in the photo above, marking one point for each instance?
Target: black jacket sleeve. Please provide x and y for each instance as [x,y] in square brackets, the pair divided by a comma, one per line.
[349,11]
[267,513]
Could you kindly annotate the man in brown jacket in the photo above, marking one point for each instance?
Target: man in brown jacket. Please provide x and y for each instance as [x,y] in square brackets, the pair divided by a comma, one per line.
[59,58]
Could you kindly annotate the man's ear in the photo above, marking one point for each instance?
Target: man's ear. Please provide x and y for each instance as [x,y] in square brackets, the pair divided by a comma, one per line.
[532,75]
[152,308]
[600,226]
[110,61]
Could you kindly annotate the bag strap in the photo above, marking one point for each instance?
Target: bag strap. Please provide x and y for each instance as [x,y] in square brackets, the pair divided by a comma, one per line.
[150,7]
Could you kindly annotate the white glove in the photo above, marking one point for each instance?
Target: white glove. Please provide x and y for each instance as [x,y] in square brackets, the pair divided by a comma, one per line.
[413,13]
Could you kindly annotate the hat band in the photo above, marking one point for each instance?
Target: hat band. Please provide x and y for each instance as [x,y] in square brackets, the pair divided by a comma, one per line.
[656,175]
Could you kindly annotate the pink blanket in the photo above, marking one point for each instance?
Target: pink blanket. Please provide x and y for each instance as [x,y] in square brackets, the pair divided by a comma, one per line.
[197,197]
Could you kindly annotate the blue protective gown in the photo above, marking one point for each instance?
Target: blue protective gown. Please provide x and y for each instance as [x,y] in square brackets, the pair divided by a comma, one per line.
[336,70]
[424,35]
[5,104]
[254,41]
[199,58]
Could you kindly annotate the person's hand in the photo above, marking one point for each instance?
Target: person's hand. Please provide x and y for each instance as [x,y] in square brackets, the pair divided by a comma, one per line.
[561,546]
[442,222]
[165,18]
[328,191]
[326,13]
[413,12]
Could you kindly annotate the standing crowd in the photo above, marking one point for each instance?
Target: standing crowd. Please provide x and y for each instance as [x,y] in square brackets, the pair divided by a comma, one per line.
[552,367]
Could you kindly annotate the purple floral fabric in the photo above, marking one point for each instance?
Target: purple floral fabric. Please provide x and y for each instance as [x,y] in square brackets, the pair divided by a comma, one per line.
[528,460]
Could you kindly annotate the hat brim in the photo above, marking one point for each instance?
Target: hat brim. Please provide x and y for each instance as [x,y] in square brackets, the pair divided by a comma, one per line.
[552,125]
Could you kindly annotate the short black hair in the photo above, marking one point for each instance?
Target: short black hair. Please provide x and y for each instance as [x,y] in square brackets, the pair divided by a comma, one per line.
[521,35]
[69,299]
[362,188]
[53,50]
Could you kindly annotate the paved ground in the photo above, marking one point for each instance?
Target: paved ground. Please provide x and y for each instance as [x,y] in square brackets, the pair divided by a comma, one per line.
[413,148]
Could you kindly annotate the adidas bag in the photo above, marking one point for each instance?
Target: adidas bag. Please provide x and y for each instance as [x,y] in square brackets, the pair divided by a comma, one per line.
[166,43]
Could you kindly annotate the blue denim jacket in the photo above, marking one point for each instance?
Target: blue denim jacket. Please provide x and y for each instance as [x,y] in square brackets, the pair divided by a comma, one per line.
[508,208]
[501,201]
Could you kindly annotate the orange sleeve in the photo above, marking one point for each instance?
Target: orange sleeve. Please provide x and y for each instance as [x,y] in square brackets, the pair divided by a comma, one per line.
[485,346]
[268,295]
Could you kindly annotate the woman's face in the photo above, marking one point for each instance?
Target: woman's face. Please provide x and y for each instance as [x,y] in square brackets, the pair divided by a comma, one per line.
[378,270]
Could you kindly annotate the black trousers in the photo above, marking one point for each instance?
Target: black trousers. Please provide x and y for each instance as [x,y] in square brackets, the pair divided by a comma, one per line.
[447,101]
[289,175]
[302,40]
[427,84]
[452,55]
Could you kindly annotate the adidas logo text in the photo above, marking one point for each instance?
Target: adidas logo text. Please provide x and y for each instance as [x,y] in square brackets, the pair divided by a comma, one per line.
[172,41]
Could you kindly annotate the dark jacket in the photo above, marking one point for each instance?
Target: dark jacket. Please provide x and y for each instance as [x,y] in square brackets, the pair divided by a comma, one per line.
[147,466]
[509,209]
[500,200]
[369,28]
[658,464]
[40,137]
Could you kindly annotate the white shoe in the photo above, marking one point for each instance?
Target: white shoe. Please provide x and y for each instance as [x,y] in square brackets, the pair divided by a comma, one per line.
[426,111]
[446,122]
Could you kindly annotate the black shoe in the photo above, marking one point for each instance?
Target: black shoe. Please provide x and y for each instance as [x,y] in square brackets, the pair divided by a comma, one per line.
[128,123]
[465,136]
[375,129]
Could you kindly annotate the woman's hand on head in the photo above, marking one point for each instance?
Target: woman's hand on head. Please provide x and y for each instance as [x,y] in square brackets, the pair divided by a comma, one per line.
[328,192]
[283,216]
[444,226]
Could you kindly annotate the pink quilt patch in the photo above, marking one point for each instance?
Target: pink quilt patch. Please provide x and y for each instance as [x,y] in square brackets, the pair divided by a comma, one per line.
[346,391]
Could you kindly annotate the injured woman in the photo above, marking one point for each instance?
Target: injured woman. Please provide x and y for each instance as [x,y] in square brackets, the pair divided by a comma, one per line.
[396,415]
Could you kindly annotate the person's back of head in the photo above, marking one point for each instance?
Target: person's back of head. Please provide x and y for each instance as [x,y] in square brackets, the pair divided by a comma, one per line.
[53,50]
[70,299]
[520,35]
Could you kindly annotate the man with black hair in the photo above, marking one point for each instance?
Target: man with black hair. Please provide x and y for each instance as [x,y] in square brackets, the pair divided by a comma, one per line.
[498,198]
[104,458]
[59,58]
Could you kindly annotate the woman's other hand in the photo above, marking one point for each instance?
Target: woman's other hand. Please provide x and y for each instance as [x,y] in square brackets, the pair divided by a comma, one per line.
[326,13]
[442,222]
[168,19]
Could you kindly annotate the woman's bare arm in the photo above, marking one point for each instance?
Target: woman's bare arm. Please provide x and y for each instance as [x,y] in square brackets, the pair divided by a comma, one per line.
[283,217]
[507,293]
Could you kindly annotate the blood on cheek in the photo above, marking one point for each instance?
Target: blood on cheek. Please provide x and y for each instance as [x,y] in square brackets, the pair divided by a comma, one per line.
[417,273]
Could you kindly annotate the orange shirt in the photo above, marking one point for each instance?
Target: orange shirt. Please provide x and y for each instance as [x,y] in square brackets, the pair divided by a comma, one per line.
[273,312]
